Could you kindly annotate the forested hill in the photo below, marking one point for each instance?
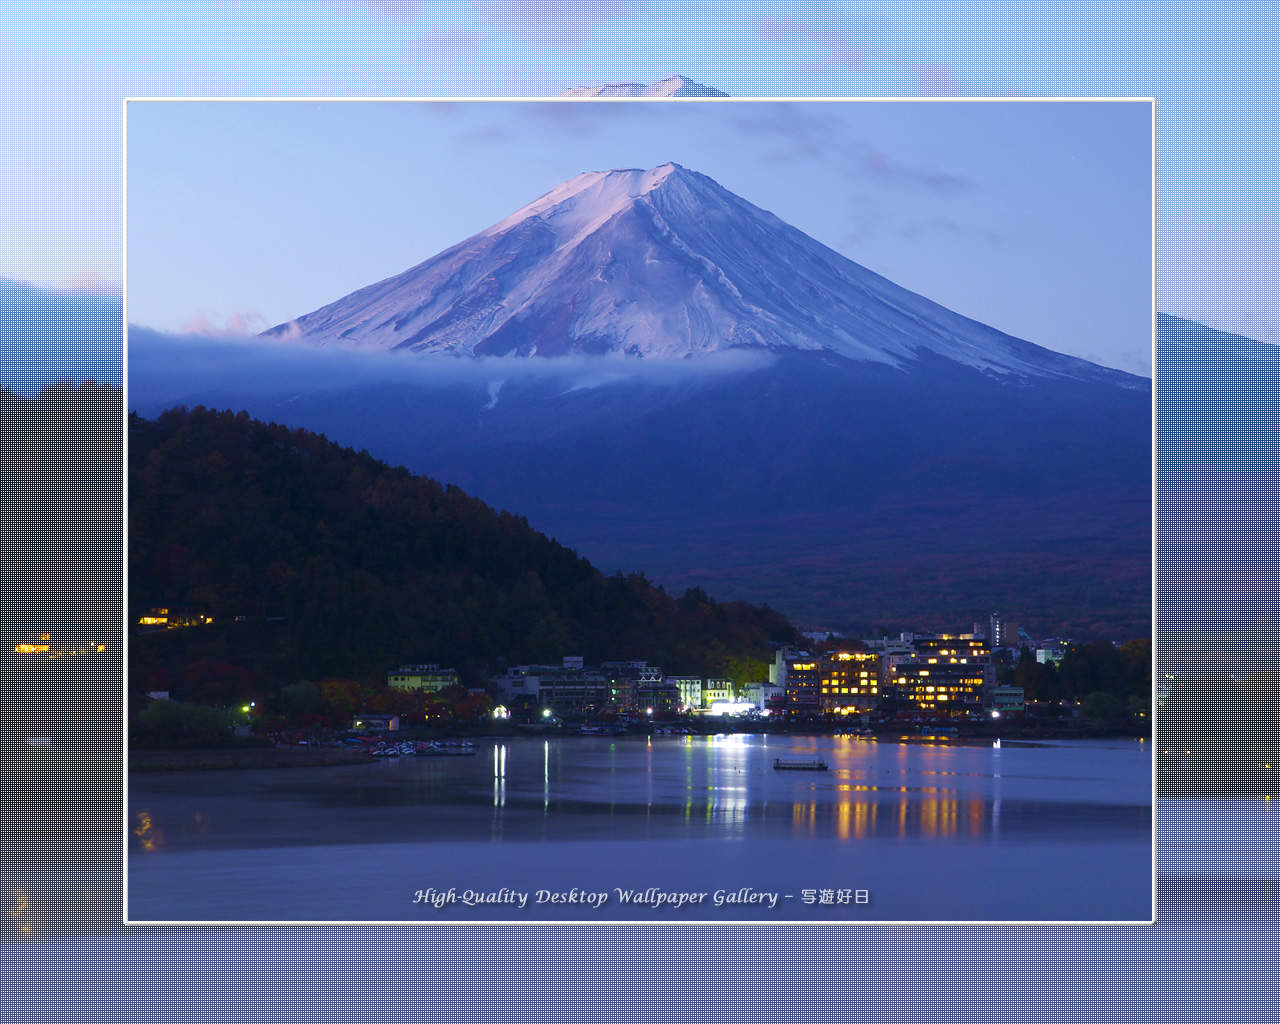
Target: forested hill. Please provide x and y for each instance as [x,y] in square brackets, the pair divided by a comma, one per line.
[316,560]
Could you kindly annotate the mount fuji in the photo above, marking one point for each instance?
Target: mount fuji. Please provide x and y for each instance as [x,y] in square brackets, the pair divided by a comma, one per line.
[675,87]
[662,263]
[670,379]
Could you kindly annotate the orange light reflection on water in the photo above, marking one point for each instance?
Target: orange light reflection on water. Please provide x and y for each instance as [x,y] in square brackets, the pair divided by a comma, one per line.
[150,836]
[855,820]
[27,921]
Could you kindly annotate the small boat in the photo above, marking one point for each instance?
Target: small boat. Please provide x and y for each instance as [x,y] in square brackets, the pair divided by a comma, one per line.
[792,765]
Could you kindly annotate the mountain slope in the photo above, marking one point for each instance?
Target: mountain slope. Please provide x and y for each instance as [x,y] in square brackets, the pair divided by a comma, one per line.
[361,566]
[848,494]
[1219,451]
[661,263]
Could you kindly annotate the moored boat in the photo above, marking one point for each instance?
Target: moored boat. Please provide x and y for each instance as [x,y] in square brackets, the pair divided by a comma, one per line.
[796,765]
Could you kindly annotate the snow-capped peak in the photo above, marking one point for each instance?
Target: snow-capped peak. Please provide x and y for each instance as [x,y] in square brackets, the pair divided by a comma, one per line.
[607,191]
[675,87]
[660,263]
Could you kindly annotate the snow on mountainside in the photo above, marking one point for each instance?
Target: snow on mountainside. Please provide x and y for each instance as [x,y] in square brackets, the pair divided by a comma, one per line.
[676,87]
[661,263]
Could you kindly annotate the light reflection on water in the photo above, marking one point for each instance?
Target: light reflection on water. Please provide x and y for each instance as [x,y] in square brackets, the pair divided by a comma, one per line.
[687,812]
[149,837]
[711,786]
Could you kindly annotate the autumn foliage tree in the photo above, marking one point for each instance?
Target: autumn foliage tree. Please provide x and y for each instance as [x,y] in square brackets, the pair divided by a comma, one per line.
[318,562]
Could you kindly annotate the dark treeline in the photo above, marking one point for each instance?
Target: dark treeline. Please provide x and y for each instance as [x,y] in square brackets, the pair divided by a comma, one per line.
[317,561]
[61,550]
[1111,684]
[1218,734]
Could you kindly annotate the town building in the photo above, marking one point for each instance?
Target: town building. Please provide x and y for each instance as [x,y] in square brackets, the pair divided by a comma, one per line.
[945,673]
[850,681]
[561,689]
[176,616]
[689,688]
[627,678]
[773,698]
[800,676]
[652,696]
[717,691]
[1002,633]
[376,723]
[1006,699]
[431,678]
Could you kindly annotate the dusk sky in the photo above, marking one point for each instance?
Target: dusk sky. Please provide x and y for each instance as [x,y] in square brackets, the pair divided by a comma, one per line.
[1033,217]
[66,66]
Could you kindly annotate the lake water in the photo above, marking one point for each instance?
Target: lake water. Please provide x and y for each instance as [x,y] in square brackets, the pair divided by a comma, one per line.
[695,828]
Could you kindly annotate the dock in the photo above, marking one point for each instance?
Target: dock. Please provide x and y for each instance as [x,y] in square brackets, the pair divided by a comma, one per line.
[792,765]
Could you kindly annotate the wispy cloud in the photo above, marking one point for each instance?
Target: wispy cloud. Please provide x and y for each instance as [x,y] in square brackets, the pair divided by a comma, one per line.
[165,369]
[571,121]
[89,278]
[809,134]
[790,133]
[830,33]
[240,324]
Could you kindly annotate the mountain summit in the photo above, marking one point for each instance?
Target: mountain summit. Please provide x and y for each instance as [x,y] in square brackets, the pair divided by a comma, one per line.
[659,263]
[675,87]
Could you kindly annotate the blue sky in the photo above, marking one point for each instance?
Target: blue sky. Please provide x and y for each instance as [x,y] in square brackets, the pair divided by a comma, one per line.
[66,66]
[1034,217]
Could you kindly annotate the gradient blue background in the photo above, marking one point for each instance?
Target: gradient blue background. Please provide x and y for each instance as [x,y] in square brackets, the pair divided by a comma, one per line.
[64,70]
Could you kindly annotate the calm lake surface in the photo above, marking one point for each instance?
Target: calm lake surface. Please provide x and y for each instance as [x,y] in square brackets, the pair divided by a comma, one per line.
[908,831]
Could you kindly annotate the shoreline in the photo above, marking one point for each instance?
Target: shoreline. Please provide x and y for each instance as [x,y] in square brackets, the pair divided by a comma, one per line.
[220,758]
[246,758]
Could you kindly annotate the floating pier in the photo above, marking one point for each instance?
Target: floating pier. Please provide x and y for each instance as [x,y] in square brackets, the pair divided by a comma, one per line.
[783,764]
